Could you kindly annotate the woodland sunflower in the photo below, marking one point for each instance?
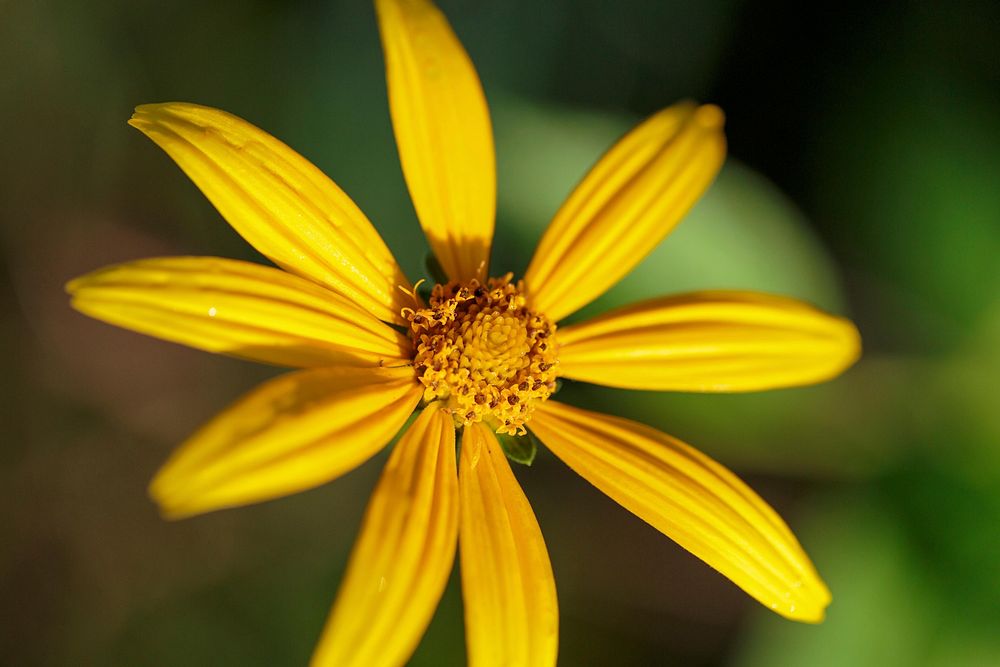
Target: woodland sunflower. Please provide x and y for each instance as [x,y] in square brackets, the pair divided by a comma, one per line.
[476,361]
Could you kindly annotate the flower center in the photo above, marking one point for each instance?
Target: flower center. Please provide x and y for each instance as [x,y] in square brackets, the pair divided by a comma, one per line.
[485,354]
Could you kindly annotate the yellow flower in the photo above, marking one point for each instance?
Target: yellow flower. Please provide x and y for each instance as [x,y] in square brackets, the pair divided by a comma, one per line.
[481,357]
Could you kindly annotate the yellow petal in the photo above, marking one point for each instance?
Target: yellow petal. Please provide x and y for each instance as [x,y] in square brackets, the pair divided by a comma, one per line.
[624,207]
[279,202]
[511,616]
[709,341]
[691,499]
[238,308]
[443,132]
[403,557]
[293,433]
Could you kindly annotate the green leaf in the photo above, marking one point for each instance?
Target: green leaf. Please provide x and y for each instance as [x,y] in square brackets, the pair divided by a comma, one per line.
[519,448]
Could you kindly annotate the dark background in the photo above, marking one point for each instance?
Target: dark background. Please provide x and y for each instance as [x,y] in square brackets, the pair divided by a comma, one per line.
[864,176]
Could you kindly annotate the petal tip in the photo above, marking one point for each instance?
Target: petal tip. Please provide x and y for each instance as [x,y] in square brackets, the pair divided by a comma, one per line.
[811,611]
[143,111]
[142,119]
[73,286]
[853,336]
[168,514]
[710,117]
[148,113]
[805,602]
[168,497]
[167,488]
[812,616]
[850,347]
[158,489]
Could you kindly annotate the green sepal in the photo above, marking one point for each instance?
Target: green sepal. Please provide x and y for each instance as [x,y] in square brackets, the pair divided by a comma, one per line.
[519,448]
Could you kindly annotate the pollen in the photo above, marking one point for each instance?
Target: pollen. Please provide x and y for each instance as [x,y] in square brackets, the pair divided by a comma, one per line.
[484,353]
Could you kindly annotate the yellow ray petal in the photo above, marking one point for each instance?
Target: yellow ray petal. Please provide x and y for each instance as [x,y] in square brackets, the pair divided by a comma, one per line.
[511,616]
[621,210]
[279,202]
[238,308]
[290,434]
[691,499]
[709,341]
[443,132]
[403,556]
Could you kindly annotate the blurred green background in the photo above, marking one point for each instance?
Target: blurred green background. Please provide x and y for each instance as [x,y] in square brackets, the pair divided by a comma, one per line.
[864,176]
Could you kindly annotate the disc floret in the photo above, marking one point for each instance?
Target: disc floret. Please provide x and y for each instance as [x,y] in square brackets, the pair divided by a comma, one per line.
[484,353]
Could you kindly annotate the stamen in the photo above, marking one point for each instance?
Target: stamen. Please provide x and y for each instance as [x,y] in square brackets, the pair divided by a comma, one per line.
[412,293]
